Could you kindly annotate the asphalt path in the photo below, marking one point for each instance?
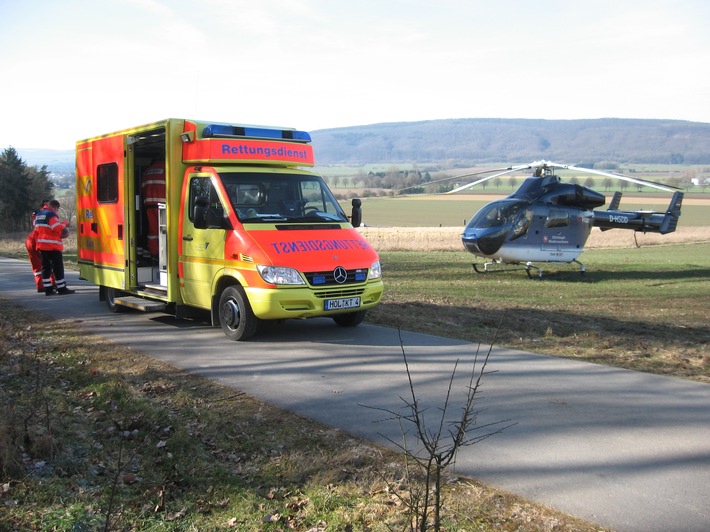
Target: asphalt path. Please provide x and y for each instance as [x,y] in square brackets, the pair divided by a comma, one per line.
[624,449]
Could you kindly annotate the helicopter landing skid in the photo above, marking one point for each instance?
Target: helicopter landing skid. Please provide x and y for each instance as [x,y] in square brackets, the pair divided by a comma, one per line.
[487,268]
[528,268]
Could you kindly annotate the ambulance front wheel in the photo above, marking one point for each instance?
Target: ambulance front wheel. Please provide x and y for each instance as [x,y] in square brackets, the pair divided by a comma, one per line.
[235,314]
[351,319]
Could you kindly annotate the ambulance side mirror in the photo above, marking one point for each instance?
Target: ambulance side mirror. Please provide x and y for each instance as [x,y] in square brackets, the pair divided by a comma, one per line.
[199,213]
[356,218]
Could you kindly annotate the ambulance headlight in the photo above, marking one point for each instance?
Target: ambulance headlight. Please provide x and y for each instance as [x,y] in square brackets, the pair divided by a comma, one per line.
[375,270]
[279,275]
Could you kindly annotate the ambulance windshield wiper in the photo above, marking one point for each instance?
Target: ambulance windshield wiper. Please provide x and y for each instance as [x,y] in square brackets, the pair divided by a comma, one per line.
[264,218]
[318,217]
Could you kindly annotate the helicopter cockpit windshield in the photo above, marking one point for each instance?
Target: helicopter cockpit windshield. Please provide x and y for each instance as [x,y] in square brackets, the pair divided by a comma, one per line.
[498,214]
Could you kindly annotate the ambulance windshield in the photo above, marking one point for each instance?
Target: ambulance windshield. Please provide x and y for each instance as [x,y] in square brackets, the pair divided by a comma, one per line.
[267,198]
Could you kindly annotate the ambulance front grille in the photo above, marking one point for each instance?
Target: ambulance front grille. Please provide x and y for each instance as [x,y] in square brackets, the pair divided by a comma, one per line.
[328,278]
[335,293]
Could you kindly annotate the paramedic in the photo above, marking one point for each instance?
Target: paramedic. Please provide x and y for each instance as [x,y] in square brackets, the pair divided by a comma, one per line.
[153,190]
[34,254]
[50,231]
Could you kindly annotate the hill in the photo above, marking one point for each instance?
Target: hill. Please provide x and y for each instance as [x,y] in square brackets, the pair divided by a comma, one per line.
[463,141]
[57,161]
[477,140]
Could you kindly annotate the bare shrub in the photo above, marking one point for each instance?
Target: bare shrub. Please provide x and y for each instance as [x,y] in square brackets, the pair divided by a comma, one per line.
[437,446]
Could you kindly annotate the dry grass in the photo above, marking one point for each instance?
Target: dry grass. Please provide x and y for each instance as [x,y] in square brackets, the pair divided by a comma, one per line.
[85,421]
[434,239]
[13,245]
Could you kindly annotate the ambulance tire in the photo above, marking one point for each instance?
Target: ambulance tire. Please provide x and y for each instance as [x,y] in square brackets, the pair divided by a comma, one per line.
[111,294]
[235,314]
[351,319]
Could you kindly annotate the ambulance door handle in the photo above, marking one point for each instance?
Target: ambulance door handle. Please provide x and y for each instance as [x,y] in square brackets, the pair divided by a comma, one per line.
[187,238]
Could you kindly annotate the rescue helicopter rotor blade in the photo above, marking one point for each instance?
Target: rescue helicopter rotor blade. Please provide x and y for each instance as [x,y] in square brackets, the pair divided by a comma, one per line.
[546,164]
[451,178]
[509,170]
[644,182]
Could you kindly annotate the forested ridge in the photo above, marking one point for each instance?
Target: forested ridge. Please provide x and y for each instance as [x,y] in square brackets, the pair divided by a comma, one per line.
[465,141]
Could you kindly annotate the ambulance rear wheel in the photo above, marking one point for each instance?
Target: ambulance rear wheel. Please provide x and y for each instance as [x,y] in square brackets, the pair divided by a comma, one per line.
[111,294]
[235,314]
[351,319]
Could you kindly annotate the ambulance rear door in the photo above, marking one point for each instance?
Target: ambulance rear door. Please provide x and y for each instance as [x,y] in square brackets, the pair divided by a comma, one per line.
[107,225]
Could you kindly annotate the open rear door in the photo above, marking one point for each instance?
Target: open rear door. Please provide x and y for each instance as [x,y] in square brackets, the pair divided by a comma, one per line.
[102,201]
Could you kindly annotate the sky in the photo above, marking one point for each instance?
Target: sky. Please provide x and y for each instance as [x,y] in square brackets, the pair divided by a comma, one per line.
[73,69]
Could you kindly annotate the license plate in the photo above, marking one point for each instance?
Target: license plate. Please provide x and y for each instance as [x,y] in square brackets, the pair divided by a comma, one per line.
[339,304]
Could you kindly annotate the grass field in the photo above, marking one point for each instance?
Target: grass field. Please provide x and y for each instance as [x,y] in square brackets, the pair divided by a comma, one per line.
[646,309]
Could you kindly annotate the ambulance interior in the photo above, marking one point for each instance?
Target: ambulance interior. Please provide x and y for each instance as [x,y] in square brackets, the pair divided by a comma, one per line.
[148,147]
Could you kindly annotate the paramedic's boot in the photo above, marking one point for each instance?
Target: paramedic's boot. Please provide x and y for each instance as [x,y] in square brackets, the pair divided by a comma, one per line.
[64,291]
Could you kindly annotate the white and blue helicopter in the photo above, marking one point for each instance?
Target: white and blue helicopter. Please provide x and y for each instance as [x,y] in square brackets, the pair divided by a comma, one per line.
[548,221]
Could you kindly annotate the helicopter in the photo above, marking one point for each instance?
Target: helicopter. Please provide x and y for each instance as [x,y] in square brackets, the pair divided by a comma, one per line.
[547,220]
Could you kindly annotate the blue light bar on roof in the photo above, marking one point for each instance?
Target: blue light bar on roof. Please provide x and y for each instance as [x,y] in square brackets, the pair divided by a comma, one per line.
[220,130]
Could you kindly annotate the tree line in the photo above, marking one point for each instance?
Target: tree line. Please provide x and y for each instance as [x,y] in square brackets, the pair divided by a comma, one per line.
[22,189]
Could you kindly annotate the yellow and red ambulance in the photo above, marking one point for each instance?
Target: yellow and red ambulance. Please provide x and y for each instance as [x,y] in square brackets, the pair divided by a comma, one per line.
[245,231]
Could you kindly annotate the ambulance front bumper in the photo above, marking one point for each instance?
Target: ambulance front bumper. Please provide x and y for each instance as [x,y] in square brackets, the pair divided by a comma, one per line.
[303,302]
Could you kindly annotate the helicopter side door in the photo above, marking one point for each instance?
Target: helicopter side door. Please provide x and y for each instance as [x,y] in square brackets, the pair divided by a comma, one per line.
[565,232]
[556,234]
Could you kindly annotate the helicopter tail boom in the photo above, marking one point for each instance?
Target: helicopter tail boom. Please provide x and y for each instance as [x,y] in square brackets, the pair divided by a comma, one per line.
[645,221]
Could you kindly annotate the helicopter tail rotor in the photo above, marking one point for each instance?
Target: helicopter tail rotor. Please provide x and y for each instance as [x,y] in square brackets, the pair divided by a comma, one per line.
[670,220]
[615,202]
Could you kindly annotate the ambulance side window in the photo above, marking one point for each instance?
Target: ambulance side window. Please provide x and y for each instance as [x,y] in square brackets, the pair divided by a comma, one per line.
[204,195]
[107,183]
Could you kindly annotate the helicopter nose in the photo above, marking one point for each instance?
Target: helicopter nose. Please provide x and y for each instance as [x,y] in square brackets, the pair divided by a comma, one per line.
[487,243]
[470,243]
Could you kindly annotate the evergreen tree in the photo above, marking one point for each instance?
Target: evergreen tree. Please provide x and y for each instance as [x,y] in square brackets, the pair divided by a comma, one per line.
[21,191]
[41,186]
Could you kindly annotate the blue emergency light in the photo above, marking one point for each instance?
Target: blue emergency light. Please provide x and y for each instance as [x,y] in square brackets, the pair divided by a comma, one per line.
[223,130]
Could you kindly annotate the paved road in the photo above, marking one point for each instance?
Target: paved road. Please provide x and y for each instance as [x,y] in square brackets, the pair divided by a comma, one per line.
[627,450]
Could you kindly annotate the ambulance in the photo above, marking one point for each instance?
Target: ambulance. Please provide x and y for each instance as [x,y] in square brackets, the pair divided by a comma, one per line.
[245,231]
